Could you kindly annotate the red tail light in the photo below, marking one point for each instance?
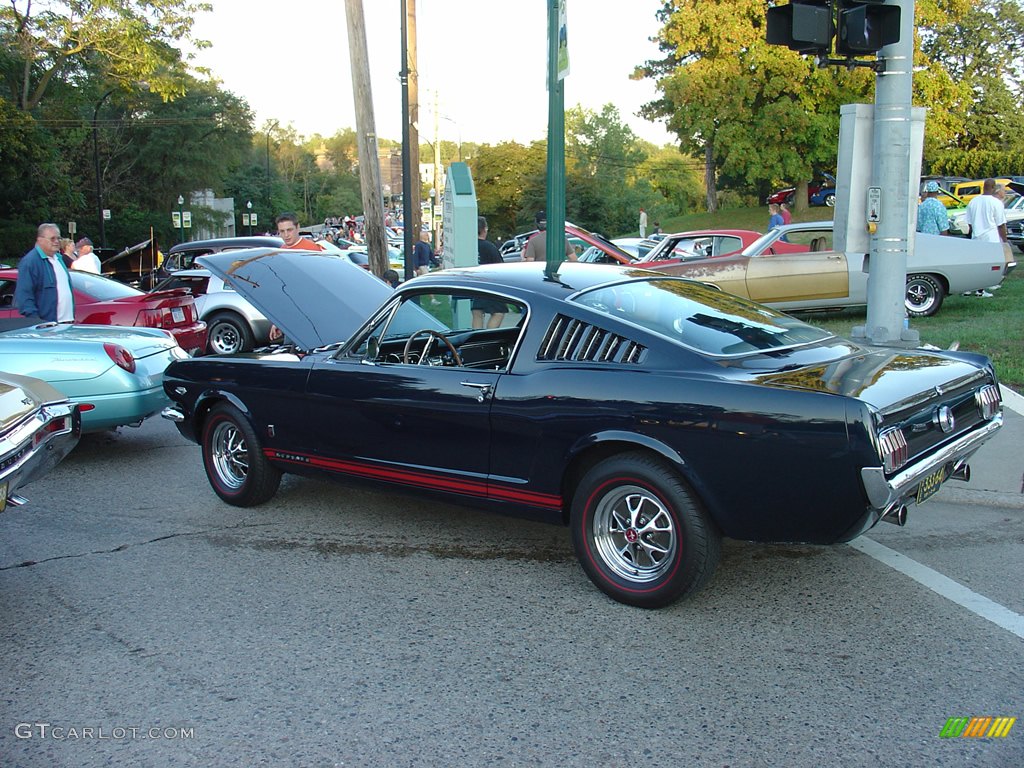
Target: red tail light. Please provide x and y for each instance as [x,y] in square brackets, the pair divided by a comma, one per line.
[122,357]
[150,318]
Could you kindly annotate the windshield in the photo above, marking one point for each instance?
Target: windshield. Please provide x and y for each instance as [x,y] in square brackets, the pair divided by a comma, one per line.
[101,288]
[700,316]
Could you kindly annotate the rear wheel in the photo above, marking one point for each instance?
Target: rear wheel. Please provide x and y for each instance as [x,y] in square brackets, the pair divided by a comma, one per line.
[233,458]
[639,532]
[830,200]
[228,333]
[924,295]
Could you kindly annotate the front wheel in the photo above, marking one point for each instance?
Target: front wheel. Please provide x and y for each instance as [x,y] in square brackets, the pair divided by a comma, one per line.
[830,200]
[924,295]
[639,532]
[234,461]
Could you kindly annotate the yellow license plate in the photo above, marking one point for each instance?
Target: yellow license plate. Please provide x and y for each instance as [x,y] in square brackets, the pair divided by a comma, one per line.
[931,484]
[3,496]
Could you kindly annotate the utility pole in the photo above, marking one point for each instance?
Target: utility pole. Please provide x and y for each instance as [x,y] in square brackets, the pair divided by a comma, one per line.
[412,64]
[408,132]
[366,135]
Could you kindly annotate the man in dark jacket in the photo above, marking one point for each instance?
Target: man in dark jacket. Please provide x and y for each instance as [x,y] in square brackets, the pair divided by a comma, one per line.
[44,287]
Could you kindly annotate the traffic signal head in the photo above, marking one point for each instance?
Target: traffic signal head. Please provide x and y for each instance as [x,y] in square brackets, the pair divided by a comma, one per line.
[865,26]
[803,25]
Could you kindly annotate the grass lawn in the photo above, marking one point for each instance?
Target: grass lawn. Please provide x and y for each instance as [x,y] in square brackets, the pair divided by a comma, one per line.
[993,326]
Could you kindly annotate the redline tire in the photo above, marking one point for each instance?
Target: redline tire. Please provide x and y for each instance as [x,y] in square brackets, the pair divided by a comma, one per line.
[234,461]
[639,532]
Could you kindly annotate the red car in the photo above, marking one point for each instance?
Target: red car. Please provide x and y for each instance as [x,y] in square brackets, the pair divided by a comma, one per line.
[101,301]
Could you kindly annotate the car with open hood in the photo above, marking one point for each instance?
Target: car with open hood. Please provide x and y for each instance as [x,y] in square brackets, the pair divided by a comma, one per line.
[651,414]
[38,427]
[114,374]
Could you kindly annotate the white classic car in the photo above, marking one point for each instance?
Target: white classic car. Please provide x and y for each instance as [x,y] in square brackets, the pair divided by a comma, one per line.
[795,268]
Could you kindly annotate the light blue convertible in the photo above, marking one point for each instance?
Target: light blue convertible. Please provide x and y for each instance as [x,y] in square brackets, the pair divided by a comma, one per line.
[113,373]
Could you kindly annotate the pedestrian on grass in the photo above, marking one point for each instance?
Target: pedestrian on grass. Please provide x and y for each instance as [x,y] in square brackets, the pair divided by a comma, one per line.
[487,253]
[643,223]
[932,217]
[423,254]
[774,217]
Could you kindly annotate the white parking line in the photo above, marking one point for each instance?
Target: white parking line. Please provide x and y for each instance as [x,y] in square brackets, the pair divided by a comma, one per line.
[943,585]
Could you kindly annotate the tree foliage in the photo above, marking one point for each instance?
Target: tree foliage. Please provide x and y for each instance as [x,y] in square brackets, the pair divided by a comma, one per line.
[129,40]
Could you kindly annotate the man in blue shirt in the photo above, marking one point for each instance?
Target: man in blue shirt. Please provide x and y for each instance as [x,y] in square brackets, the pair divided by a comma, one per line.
[932,217]
[422,254]
[44,287]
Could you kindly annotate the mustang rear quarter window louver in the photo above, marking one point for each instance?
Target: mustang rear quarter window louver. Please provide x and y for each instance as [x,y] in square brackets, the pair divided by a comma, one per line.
[569,339]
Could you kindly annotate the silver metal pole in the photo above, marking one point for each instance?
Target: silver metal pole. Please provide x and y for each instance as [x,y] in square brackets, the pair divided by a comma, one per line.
[891,171]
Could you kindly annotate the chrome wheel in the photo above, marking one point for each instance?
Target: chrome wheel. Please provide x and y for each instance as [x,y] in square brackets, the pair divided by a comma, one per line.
[634,534]
[230,455]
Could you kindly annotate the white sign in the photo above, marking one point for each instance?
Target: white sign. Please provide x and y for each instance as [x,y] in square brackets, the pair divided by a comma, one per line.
[186,219]
[874,204]
[176,219]
[106,214]
[252,219]
[72,227]
[245,219]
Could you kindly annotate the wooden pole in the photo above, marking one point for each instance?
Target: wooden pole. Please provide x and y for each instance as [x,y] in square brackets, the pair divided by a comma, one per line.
[366,135]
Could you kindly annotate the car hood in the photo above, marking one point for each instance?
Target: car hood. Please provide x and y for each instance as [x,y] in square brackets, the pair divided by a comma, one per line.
[314,298]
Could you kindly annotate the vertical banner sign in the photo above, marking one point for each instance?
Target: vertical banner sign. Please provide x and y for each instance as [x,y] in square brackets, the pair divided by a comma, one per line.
[558,56]
[563,42]
[252,219]
[186,220]
[176,219]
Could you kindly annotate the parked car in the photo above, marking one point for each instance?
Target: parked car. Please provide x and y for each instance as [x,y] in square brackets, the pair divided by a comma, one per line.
[102,301]
[820,191]
[1014,205]
[183,255]
[699,244]
[795,267]
[38,427]
[113,373]
[651,414]
[945,183]
[233,324]
[965,191]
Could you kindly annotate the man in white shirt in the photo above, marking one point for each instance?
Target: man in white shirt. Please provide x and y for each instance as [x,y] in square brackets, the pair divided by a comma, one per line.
[87,261]
[44,288]
[986,215]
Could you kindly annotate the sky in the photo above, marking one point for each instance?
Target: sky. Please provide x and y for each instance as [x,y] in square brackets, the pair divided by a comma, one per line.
[484,59]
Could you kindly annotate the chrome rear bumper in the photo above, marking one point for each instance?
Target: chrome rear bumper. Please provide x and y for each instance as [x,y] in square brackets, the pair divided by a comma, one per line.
[884,494]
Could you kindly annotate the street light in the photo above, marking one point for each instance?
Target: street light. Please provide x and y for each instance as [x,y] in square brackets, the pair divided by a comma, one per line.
[181,219]
[96,161]
[248,205]
[270,127]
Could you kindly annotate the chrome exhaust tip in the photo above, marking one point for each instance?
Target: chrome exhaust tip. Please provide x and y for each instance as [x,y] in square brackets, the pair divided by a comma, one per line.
[896,515]
[961,471]
[15,500]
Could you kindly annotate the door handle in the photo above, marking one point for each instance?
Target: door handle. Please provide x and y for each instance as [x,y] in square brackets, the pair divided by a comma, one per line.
[483,387]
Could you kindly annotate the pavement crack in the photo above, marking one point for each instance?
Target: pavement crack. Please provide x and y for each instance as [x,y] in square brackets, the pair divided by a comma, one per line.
[132,545]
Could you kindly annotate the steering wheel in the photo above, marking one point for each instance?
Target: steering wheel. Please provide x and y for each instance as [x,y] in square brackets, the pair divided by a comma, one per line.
[426,347]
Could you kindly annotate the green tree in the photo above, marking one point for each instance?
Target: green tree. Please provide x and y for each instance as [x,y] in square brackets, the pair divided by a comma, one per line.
[130,40]
[500,174]
[745,108]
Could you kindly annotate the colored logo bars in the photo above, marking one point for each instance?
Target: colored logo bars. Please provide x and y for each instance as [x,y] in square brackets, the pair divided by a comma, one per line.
[977,727]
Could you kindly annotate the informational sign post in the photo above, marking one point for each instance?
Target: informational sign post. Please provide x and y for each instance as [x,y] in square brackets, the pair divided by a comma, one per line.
[460,213]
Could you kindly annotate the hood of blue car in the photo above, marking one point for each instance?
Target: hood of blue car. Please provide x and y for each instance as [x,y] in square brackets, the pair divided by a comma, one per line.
[315,299]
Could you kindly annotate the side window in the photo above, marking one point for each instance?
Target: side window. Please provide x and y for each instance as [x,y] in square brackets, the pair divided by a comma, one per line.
[814,240]
[728,245]
[7,293]
[444,328]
